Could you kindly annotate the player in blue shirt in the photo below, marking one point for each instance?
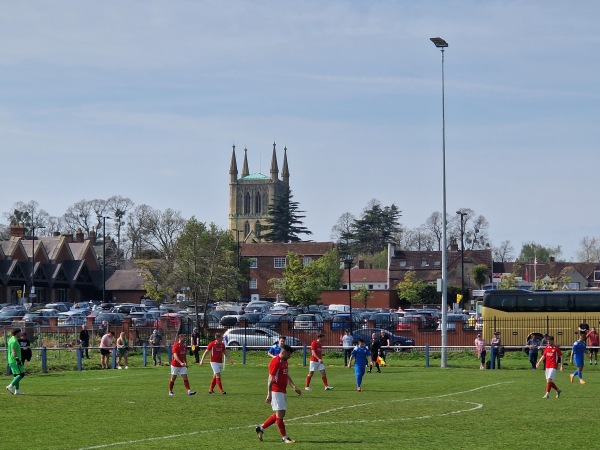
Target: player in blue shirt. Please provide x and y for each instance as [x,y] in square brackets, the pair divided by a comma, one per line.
[359,355]
[276,347]
[578,356]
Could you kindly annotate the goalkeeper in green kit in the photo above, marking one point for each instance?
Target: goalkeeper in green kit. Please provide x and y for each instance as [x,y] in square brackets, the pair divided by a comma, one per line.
[15,363]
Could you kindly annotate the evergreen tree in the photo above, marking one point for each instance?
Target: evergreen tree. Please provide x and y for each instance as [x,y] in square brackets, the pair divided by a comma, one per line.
[375,228]
[283,223]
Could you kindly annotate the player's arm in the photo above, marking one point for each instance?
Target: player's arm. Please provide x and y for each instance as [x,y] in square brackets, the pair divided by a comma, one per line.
[203,355]
[541,359]
[350,361]
[293,386]
[269,385]
[226,353]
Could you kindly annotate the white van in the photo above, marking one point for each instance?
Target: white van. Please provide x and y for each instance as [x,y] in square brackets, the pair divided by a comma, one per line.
[335,309]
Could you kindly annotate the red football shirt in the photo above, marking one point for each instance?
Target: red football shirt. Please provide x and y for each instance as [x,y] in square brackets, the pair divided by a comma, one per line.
[181,350]
[318,349]
[593,337]
[552,353]
[216,351]
[278,369]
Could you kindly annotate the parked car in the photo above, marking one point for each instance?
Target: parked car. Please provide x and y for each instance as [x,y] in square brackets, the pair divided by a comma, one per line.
[453,319]
[251,319]
[255,337]
[400,343]
[124,308]
[71,318]
[273,321]
[35,317]
[405,323]
[388,321]
[173,320]
[61,306]
[341,321]
[308,321]
[142,319]
[230,320]
[110,317]
[7,316]
[47,313]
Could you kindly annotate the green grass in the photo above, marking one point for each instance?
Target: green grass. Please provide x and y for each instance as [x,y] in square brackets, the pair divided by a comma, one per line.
[406,406]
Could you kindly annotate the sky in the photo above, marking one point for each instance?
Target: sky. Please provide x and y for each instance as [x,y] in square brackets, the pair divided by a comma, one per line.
[144,99]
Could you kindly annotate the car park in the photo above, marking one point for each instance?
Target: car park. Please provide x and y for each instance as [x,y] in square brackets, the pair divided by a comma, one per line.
[34,317]
[60,306]
[250,319]
[255,337]
[342,321]
[405,323]
[142,319]
[230,320]
[110,317]
[399,343]
[388,321]
[7,316]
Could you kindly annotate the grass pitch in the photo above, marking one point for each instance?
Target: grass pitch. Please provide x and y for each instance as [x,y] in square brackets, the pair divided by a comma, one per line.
[403,407]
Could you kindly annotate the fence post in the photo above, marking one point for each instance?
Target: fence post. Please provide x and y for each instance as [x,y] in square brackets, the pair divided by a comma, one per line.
[304,356]
[427,355]
[144,354]
[492,355]
[44,357]
[114,358]
[244,354]
[79,359]
[169,353]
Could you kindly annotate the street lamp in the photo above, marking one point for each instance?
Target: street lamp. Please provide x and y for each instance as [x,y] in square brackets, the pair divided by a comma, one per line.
[462,251]
[348,261]
[32,291]
[104,256]
[442,44]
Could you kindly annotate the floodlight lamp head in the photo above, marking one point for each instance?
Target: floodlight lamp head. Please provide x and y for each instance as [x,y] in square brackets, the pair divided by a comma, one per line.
[439,42]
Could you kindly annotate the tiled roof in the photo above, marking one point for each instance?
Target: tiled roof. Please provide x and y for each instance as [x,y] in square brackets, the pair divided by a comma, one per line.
[125,280]
[281,249]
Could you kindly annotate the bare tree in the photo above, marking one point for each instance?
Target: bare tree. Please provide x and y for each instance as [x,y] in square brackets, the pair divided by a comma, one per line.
[433,225]
[589,249]
[118,207]
[81,215]
[505,252]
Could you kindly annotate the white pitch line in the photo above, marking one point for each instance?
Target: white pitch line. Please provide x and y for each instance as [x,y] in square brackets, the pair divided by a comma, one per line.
[295,419]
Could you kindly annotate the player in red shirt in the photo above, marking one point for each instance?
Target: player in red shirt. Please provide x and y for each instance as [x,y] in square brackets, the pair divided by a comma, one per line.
[217,351]
[552,357]
[279,379]
[316,362]
[179,365]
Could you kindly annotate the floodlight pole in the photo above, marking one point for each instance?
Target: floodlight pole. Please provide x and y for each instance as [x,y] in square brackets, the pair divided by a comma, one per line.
[442,44]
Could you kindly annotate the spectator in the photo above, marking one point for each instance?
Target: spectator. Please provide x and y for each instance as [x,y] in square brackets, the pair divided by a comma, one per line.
[195,345]
[155,341]
[532,347]
[497,349]
[84,340]
[25,348]
[348,345]
[105,346]
[122,350]
[594,338]
[480,350]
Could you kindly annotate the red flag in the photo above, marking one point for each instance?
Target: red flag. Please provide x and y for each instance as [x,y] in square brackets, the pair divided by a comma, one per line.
[527,274]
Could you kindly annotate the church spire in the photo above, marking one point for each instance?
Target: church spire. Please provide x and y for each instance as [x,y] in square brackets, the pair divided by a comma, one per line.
[274,168]
[233,167]
[245,171]
[285,173]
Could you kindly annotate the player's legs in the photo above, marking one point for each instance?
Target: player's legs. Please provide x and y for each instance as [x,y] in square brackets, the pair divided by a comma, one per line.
[324,378]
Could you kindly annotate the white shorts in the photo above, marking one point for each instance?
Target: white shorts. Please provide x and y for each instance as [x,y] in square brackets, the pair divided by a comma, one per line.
[316,366]
[178,370]
[278,401]
[550,374]
[216,367]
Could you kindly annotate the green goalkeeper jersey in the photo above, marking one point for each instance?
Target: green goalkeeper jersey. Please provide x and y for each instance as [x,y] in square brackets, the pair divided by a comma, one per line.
[13,343]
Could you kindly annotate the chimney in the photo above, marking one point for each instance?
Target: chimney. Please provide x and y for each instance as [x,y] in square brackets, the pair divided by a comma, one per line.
[68,237]
[17,230]
[552,259]
[93,236]
[453,245]
[79,236]
[361,264]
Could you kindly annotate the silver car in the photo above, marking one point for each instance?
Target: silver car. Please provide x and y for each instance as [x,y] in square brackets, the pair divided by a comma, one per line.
[254,337]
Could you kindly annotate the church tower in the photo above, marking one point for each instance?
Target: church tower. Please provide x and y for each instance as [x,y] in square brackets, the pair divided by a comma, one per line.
[251,194]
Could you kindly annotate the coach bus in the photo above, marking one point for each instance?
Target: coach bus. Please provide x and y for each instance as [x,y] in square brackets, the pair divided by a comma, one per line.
[518,313]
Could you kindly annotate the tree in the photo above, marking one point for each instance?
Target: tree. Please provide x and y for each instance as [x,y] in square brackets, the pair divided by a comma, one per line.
[30,215]
[303,282]
[589,249]
[363,295]
[118,207]
[480,274]
[509,281]
[532,251]
[475,229]
[205,260]
[283,223]
[411,288]
[342,233]
[504,252]
[375,228]
[434,226]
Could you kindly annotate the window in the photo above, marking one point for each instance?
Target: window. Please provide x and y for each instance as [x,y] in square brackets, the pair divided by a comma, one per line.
[278,283]
[247,203]
[253,284]
[345,286]
[307,261]
[246,229]
[257,203]
[424,263]
[279,263]
[403,263]
[370,286]
[61,295]
[437,263]
[596,275]
[253,263]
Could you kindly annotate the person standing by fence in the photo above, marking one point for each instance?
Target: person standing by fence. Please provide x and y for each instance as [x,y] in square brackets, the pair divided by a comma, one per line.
[25,348]
[480,350]
[497,349]
[594,338]
[532,347]
[105,346]
[84,340]
[195,345]
[155,341]
[348,345]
